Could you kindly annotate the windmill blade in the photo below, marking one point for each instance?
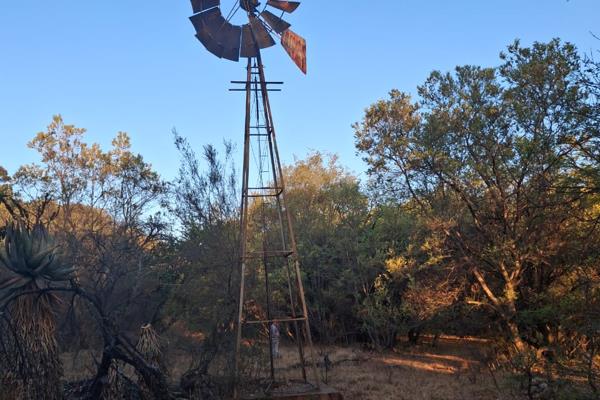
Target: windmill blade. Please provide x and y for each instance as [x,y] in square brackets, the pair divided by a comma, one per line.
[210,44]
[248,48]
[210,21]
[230,38]
[295,46]
[276,23]
[249,5]
[287,6]
[255,36]
[216,34]
[203,5]
[261,35]
[206,24]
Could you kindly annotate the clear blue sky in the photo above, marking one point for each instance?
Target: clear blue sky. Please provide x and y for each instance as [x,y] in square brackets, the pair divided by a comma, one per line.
[135,66]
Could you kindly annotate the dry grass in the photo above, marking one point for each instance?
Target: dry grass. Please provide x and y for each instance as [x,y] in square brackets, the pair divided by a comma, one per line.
[405,376]
[455,369]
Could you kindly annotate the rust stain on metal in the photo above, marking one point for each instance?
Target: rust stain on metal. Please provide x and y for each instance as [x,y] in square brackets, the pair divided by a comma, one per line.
[287,6]
[278,24]
[203,5]
[295,45]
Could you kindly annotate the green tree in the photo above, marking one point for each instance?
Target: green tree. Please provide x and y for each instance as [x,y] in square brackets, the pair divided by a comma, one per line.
[101,206]
[329,213]
[204,257]
[495,159]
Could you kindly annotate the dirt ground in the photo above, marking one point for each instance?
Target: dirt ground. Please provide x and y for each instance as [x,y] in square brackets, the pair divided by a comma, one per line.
[454,369]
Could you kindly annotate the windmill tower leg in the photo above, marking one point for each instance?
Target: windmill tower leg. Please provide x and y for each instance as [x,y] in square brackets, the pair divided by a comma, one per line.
[282,208]
[243,227]
[260,142]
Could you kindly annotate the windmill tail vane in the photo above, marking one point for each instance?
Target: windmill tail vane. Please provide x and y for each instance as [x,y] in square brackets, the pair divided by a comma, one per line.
[232,42]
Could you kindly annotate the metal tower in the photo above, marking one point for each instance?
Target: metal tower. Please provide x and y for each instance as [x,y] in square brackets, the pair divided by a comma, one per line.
[267,244]
[278,248]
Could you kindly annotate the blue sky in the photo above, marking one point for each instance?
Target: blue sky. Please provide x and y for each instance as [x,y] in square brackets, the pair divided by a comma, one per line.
[135,66]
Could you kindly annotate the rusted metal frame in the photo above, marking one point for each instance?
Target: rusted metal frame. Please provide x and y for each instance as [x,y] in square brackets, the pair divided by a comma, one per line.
[268,83]
[306,321]
[264,195]
[253,83]
[265,192]
[243,90]
[292,319]
[243,229]
[292,237]
[266,188]
[296,328]
[269,253]
[287,6]
[275,23]
[265,254]
[276,179]
[268,290]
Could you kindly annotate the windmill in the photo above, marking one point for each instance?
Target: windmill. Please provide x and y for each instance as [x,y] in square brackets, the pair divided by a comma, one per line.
[276,252]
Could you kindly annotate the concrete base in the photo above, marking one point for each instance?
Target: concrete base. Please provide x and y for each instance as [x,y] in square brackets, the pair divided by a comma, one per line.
[325,393]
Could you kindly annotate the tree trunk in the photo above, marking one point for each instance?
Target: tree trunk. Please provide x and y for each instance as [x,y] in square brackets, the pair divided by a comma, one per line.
[505,308]
[515,336]
[37,369]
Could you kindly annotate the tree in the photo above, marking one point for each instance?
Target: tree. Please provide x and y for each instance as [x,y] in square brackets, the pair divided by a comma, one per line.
[329,212]
[496,160]
[30,263]
[101,207]
[204,260]
[10,206]
[360,269]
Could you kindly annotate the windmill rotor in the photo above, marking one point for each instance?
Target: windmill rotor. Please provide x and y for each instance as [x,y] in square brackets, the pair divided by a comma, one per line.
[232,42]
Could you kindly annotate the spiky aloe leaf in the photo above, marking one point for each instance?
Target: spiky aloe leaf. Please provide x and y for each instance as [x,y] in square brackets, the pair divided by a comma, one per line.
[37,240]
[27,243]
[40,256]
[14,248]
[10,286]
[31,255]
[61,274]
[4,260]
[13,282]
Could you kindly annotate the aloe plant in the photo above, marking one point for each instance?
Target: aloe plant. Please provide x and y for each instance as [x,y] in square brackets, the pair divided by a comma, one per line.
[30,258]
[29,263]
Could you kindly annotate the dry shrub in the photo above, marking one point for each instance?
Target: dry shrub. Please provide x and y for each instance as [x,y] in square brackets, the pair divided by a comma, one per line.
[149,346]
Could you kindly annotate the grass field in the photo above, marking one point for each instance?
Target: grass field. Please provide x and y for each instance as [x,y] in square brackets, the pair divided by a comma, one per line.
[454,369]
